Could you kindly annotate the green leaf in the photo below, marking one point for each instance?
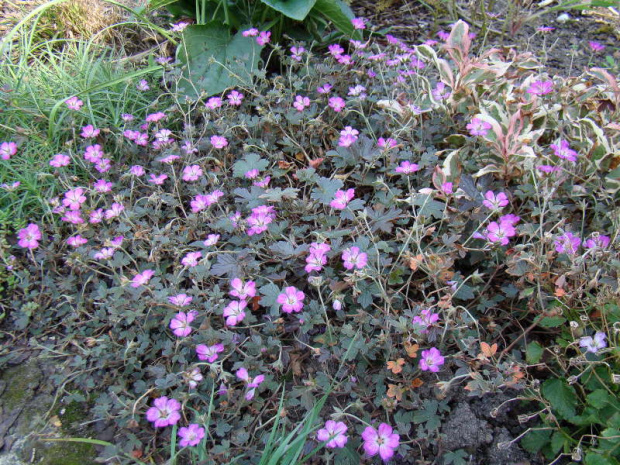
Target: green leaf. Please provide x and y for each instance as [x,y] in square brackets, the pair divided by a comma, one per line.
[250,161]
[339,13]
[533,352]
[552,321]
[600,399]
[557,442]
[535,440]
[593,458]
[213,61]
[326,189]
[294,9]
[562,397]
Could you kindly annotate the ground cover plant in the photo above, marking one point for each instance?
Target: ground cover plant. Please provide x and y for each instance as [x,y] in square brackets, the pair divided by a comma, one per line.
[307,266]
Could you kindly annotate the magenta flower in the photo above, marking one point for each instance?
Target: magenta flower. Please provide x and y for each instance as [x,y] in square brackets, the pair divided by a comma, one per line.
[252,383]
[96,216]
[59,160]
[441,92]
[317,257]
[358,91]
[425,319]
[165,412]
[235,312]
[260,219]
[7,150]
[235,98]
[263,183]
[193,377]
[494,201]
[354,258]
[213,103]
[142,85]
[74,103]
[155,117]
[387,144]
[180,324]
[180,300]
[29,236]
[191,436]
[335,50]
[76,241]
[594,344]
[209,353]
[211,240]
[358,23]
[324,89]
[478,127]
[179,27]
[142,279]
[342,199]
[263,38]
[89,132]
[192,173]
[567,243]
[296,53]
[158,180]
[406,167]
[301,102]
[219,142]
[382,441]
[540,88]
[104,254]
[102,186]
[500,232]
[253,32]
[336,103]
[564,151]
[73,217]
[291,300]
[431,360]
[597,241]
[334,433]
[596,46]
[347,136]
[114,211]
[241,290]
[191,259]
[103,165]
[544,29]
[74,199]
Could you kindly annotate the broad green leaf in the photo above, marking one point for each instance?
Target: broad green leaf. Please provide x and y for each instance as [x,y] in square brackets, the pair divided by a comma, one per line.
[562,397]
[249,162]
[601,399]
[533,352]
[593,458]
[339,13]
[326,189]
[552,321]
[535,440]
[213,61]
[294,9]
[557,442]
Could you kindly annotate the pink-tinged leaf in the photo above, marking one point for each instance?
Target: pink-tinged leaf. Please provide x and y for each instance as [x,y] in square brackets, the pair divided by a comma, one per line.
[459,38]
[604,75]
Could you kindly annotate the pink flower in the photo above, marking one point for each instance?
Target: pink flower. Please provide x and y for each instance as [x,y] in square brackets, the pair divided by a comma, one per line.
[544,29]
[103,186]
[301,102]
[252,174]
[250,32]
[431,360]
[567,243]
[180,324]
[263,183]
[142,85]
[344,60]
[59,160]
[317,257]
[596,46]
[358,23]
[191,259]
[296,53]
[440,92]
[387,144]
[11,187]
[263,38]
[103,165]
[348,136]
[74,199]
[564,151]
[117,241]
[252,383]
[179,27]
[114,211]
[193,377]
[358,91]
[201,202]
[164,135]
[137,170]
[219,142]
[342,199]
[597,241]
[209,353]
[213,103]
[354,258]
[235,98]
[334,433]
[165,412]
[478,127]
[500,232]
[406,167]
[211,240]
[29,236]
[336,103]
[291,300]
[89,132]
[96,216]
[73,217]
[74,103]
[335,50]
[127,117]
[494,201]
[155,117]
[76,241]
[260,219]
[235,312]
[191,436]
[426,319]
[180,300]
[157,179]
[594,344]
[443,35]
[382,441]
[192,173]
[105,253]
[7,150]
[324,89]
[241,290]
[540,88]
[141,279]
[142,139]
